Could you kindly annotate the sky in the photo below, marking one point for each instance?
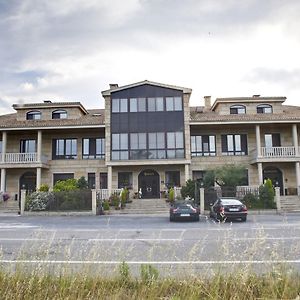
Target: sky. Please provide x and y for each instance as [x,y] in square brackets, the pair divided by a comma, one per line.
[71,50]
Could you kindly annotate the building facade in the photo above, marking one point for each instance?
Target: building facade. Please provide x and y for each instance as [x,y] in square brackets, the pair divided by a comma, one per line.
[148,138]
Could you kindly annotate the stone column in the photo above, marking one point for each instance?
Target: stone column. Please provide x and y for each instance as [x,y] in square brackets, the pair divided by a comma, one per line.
[109,180]
[97,180]
[94,202]
[187,172]
[3,180]
[295,139]
[260,173]
[4,143]
[38,178]
[277,198]
[258,144]
[39,146]
[297,165]
[23,199]
[202,201]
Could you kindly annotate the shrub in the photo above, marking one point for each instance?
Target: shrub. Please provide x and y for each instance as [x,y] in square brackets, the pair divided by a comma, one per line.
[114,200]
[251,201]
[124,272]
[82,184]
[124,196]
[65,185]
[44,188]
[171,195]
[105,205]
[149,274]
[38,201]
[188,190]
[266,194]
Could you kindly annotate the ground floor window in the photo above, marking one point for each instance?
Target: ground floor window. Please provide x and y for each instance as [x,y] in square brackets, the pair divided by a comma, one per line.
[198,175]
[103,180]
[124,180]
[91,180]
[172,178]
[62,176]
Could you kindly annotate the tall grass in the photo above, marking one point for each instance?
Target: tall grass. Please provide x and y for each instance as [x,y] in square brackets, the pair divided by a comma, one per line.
[24,285]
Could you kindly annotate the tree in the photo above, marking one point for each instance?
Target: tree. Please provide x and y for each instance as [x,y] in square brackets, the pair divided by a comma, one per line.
[65,185]
[82,184]
[189,189]
[267,194]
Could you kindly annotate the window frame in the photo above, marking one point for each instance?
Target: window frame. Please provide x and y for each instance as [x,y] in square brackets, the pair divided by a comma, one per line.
[235,109]
[261,108]
[122,184]
[59,114]
[92,148]
[25,143]
[201,152]
[64,142]
[234,143]
[32,115]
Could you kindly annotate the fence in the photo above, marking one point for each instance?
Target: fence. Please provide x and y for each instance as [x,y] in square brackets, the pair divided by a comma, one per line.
[103,194]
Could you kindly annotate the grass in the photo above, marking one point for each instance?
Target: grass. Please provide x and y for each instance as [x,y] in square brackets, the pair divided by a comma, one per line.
[36,285]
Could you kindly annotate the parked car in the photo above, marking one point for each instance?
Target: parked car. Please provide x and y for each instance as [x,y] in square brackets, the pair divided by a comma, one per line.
[184,211]
[228,208]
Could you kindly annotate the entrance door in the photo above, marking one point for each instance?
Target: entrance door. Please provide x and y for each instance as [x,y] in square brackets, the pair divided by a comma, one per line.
[275,175]
[28,182]
[149,184]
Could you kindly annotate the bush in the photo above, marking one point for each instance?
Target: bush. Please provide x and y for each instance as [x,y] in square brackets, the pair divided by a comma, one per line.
[251,201]
[267,194]
[105,205]
[82,184]
[188,190]
[44,188]
[149,274]
[114,200]
[124,196]
[65,185]
[38,201]
[171,195]
[124,272]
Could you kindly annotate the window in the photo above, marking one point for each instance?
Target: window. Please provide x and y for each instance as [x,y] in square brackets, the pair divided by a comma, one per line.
[28,146]
[33,115]
[203,145]
[64,148]
[91,180]
[119,105]
[175,147]
[124,180]
[103,180]
[237,110]
[156,104]
[137,104]
[234,144]
[93,148]
[264,109]
[173,103]
[272,140]
[138,146]
[62,176]
[156,141]
[59,114]
[172,178]
[119,146]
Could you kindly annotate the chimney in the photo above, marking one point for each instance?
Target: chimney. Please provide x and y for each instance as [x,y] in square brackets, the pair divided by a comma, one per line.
[113,86]
[207,103]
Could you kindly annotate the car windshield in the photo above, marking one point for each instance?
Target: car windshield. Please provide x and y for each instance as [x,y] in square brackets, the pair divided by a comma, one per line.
[183,205]
[231,202]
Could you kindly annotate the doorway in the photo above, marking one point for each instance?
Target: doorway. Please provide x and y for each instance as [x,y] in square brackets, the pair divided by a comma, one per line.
[149,184]
[275,175]
[28,182]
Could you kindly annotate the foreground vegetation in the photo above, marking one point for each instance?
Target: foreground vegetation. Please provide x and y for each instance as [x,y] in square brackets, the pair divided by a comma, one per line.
[275,285]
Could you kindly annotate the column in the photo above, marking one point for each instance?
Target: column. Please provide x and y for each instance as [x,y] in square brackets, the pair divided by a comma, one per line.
[3,180]
[109,180]
[187,172]
[97,180]
[38,178]
[297,165]
[260,173]
[295,139]
[4,143]
[39,146]
[258,145]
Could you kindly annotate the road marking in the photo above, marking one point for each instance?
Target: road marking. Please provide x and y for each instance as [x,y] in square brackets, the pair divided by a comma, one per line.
[133,239]
[22,239]
[186,262]
[266,238]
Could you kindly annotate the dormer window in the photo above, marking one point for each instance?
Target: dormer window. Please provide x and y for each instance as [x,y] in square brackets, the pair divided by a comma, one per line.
[264,109]
[59,114]
[33,115]
[237,110]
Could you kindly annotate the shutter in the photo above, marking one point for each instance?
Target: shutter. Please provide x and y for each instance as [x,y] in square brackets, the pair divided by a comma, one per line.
[224,143]
[276,140]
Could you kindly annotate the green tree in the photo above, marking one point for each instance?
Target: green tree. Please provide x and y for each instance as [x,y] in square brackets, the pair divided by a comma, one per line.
[267,194]
[82,183]
[189,189]
[65,185]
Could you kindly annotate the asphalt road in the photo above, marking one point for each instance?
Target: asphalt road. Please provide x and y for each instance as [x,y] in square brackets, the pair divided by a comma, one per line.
[101,243]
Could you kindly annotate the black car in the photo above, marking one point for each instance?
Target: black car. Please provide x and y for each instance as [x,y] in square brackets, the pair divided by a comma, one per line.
[228,208]
[184,211]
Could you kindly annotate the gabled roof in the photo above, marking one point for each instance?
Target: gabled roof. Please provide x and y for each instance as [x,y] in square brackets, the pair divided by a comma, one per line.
[174,87]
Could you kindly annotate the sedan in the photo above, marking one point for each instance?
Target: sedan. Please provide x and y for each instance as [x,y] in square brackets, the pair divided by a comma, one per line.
[228,208]
[184,211]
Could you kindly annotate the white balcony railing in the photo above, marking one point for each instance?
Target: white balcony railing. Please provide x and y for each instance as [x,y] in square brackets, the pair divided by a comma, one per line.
[278,151]
[21,158]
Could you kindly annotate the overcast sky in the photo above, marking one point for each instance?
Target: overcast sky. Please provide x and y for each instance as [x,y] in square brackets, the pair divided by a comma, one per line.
[70,50]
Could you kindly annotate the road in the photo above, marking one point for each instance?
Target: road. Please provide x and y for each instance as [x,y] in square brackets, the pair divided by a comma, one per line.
[100,243]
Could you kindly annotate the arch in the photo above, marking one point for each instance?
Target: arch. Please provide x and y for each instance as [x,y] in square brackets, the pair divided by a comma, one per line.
[33,115]
[59,114]
[148,181]
[28,181]
[237,109]
[275,175]
[264,109]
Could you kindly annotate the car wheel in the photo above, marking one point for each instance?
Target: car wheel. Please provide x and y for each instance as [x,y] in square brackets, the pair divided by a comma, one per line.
[244,219]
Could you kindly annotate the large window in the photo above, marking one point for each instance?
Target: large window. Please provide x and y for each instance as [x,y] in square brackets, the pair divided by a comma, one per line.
[137,104]
[234,144]
[138,146]
[264,109]
[157,145]
[28,146]
[173,103]
[93,148]
[59,114]
[64,148]
[156,104]
[103,180]
[33,115]
[125,180]
[172,178]
[119,105]
[62,177]
[203,145]
[175,145]
[119,146]
[237,110]
[91,180]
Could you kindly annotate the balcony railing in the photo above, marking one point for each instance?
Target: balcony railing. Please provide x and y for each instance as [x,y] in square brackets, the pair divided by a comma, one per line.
[21,158]
[278,152]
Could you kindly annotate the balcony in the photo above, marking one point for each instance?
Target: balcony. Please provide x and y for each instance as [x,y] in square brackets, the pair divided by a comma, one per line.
[13,160]
[276,154]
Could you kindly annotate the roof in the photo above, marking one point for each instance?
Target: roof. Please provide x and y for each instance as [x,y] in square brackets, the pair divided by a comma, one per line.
[175,87]
[241,100]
